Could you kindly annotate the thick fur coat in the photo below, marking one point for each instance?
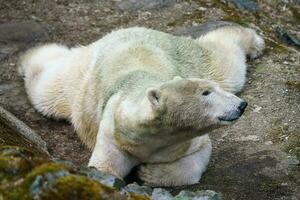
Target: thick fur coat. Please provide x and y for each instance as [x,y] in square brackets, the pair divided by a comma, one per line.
[140,97]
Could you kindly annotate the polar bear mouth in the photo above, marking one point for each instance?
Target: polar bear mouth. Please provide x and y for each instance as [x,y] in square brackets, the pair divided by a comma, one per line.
[234,115]
[231,116]
[228,119]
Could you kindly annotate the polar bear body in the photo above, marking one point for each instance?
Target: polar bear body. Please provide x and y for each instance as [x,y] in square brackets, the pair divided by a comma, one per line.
[112,91]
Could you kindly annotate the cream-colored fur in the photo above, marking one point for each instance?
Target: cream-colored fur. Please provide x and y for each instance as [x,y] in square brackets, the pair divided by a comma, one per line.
[137,96]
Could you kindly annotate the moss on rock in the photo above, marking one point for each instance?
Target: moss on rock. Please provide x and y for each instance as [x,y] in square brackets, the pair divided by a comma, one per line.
[25,175]
[16,161]
[78,187]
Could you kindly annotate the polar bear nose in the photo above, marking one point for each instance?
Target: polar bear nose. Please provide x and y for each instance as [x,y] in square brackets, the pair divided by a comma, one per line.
[243,106]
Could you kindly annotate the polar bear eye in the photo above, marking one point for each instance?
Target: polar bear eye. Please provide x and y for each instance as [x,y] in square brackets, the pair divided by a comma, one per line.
[205,93]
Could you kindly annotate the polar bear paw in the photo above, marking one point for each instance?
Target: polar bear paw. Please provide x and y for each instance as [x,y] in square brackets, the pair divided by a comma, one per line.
[151,175]
[169,174]
[257,46]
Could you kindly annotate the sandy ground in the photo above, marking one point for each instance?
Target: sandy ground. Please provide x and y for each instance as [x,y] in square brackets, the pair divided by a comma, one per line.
[257,158]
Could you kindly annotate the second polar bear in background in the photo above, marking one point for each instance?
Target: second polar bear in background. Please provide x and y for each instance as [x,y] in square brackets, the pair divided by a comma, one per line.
[140,97]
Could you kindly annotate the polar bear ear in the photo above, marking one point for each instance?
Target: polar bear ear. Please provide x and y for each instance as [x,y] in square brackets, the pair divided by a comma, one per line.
[153,95]
[176,78]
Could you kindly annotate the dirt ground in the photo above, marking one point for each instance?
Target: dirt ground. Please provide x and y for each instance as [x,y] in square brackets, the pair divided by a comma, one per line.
[257,158]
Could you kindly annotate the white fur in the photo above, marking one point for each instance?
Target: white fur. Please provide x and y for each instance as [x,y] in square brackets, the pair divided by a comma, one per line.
[81,85]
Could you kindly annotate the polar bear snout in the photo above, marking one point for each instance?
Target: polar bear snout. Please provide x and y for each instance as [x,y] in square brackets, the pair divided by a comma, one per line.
[234,114]
[242,106]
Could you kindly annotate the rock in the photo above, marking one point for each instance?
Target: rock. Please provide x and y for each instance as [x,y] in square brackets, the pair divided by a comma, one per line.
[103,177]
[6,50]
[161,194]
[16,36]
[135,188]
[198,195]
[197,31]
[16,161]
[289,39]
[25,175]
[250,5]
[23,32]
[14,132]
[53,181]
[133,5]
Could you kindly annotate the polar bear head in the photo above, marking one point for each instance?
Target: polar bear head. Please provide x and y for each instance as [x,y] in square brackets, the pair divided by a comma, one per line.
[193,104]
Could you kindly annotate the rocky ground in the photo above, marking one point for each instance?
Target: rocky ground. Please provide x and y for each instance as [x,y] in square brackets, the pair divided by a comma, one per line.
[257,158]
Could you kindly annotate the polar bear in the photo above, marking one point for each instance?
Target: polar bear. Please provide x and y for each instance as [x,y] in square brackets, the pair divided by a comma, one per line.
[140,97]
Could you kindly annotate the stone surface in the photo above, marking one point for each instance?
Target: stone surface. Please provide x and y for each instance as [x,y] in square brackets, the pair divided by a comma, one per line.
[15,36]
[287,37]
[25,175]
[103,177]
[161,194]
[245,4]
[200,195]
[133,5]
[27,31]
[134,187]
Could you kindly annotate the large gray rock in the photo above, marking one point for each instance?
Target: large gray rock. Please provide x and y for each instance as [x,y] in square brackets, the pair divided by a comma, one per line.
[138,189]
[250,5]
[286,37]
[132,5]
[161,194]
[16,36]
[198,195]
[27,31]
[103,177]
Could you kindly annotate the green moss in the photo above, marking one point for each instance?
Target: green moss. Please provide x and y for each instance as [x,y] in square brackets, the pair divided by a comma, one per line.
[275,134]
[296,13]
[79,187]
[38,179]
[25,175]
[132,196]
[294,85]
[16,161]
[261,68]
[46,169]
[11,167]
[277,48]
[15,151]
[270,186]
[293,144]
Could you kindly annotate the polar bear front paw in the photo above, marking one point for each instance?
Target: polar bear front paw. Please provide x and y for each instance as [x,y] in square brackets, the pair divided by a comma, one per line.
[152,175]
[168,174]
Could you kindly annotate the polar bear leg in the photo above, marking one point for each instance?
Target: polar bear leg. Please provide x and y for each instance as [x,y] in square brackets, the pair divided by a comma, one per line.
[228,48]
[185,171]
[250,42]
[41,67]
[107,156]
[36,60]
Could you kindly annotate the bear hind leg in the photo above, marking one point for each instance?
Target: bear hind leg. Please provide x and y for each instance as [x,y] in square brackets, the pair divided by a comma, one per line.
[250,42]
